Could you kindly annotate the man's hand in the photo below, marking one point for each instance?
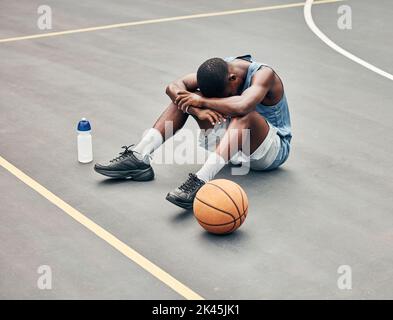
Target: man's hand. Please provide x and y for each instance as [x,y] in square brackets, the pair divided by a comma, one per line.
[186,99]
[206,114]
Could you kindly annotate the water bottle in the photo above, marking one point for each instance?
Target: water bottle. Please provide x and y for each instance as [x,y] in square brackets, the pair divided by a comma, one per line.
[85,146]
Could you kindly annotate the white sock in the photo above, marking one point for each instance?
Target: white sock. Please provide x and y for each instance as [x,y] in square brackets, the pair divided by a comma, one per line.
[212,166]
[150,142]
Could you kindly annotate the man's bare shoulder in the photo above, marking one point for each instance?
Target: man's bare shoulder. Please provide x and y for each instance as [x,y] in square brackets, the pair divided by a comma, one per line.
[264,76]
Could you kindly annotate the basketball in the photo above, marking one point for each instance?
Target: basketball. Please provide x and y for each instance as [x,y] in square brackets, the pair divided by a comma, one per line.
[221,206]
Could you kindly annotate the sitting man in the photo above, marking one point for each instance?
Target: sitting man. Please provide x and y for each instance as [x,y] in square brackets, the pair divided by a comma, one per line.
[229,96]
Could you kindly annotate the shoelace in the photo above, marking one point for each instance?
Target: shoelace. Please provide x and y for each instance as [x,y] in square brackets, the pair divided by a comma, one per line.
[191,184]
[124,154]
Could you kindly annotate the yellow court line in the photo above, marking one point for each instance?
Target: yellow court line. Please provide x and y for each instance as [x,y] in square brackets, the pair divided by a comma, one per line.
[130,253]
[170,19]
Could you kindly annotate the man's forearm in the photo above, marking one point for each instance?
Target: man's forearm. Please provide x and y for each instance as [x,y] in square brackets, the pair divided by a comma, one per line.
[192,111]
[231,106]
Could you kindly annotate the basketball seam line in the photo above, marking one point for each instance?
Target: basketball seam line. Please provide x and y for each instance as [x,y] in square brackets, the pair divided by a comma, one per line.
[241,193]
[238,211]
[244,211]
[216,208]
[244,215]
[221,224]
[234,219]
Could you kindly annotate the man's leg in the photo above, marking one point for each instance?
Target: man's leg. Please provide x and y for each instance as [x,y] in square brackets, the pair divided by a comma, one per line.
[134,163]
[229,145]
[232,142]
[157,135]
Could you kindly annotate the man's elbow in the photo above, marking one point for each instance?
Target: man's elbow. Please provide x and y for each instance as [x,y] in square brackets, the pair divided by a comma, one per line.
[168,89]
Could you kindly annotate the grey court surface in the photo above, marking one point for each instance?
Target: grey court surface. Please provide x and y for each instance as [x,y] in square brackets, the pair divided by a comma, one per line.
[329,205]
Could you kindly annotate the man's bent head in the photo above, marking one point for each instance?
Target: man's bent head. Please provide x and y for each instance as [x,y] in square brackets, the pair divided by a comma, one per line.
[217,78]
[212,77]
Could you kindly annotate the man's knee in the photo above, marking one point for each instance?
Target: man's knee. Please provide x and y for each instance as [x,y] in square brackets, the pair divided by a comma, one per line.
[243,120]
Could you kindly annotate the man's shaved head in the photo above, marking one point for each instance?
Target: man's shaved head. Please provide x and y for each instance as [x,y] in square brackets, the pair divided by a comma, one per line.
[213,77]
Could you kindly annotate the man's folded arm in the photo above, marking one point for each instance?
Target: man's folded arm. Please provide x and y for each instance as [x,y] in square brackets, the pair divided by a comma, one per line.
[188,83]
[247,101]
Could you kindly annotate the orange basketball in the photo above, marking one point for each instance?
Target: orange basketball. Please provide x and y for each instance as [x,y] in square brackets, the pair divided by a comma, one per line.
[221,206]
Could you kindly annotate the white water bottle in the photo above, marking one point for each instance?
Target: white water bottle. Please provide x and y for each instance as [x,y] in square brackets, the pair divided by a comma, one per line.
[85,146]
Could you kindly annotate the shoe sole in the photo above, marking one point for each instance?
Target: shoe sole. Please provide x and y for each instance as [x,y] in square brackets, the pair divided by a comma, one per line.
[184,205]
[137,175]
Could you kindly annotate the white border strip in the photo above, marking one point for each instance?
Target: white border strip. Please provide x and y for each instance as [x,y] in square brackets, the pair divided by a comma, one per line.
[310,22]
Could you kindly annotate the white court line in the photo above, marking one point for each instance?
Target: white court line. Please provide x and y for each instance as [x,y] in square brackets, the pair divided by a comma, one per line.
[310,22]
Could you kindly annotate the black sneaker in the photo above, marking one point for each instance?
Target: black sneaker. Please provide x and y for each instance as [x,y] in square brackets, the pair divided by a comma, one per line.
[126,166]
[184,195]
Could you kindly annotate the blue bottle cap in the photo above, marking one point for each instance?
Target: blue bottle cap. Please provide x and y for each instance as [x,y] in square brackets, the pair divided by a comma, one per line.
[84,125]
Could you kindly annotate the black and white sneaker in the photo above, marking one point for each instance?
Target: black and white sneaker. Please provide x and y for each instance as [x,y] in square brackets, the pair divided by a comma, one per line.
[126,166]
[184,195]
